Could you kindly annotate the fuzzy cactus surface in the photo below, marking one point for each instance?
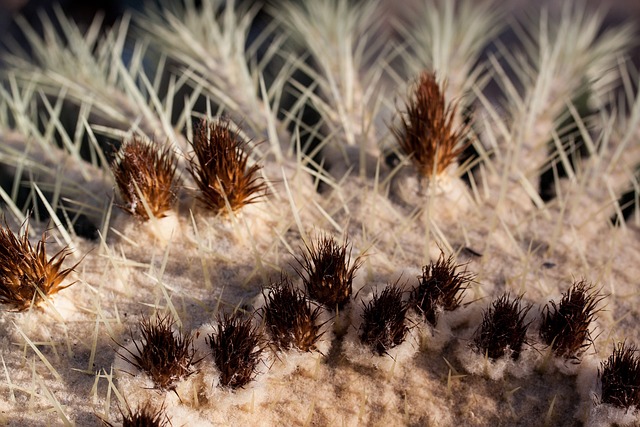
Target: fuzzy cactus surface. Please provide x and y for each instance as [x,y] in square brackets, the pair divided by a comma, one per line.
[321,212]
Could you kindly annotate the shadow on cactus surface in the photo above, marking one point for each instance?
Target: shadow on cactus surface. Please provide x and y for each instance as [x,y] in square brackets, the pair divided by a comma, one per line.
[179,157]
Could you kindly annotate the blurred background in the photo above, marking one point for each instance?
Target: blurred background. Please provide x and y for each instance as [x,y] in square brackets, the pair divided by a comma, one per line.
[83,12]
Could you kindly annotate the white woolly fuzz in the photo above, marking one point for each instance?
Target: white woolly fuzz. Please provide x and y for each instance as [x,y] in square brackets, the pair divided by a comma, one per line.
[604,415]
[435,338]
[326,319]
[256,220]
[181,415]
[479,364]
[60,305]
[34,323]
[448,188]
[431,338]
[389,364]
[549,363]
[464,317]
[588,388]
[246,398]
[285,363]
[163,229]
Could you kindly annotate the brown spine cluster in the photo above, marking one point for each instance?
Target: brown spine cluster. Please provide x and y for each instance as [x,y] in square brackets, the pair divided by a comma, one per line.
[290,318]
[219,168]
[144,416]
[441,287]
[565,326]
[163,355]
[383,320]
[145,172]
[427,132]
[620,377]
[237,347]
[326,273]
[26,275]
[503,330]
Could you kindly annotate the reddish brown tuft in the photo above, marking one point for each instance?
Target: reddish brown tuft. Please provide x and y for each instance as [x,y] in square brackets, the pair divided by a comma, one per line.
[565,327]
[153,171]
[220,170]
[441,287]
[427,132]
[165,357]
[26,275]
[384,320]
[290,317]
[237,347]
[144,416]
[326,274]
[503,330]
[620,377]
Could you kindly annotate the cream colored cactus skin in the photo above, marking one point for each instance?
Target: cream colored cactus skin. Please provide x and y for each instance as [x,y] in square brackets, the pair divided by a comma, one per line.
[344,178]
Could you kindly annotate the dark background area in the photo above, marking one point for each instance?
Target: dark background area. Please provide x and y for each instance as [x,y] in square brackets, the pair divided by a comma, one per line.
[83,12]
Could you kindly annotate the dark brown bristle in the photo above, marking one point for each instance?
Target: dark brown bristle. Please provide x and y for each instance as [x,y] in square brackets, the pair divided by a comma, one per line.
[326,274]
[25,272]
[164,356]
[441,287]
[290,318]
[503,329]
[620,377]
[565,327]
[237,347]
[427,131]
[153,171]
[143,416]
[383,320]
[220,168]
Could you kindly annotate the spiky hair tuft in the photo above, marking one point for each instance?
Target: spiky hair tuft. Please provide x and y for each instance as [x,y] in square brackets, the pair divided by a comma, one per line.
[565,326]
[237,346]
[427,129]
[144,416]
[165,356]
[620,377]
[290,317]
[326,273]
[145,172]
[503,330]
[26,275]
[219,168]
[441,287]
[384,320]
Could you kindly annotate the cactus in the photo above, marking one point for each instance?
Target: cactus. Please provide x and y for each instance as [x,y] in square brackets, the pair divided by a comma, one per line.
[180,158]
